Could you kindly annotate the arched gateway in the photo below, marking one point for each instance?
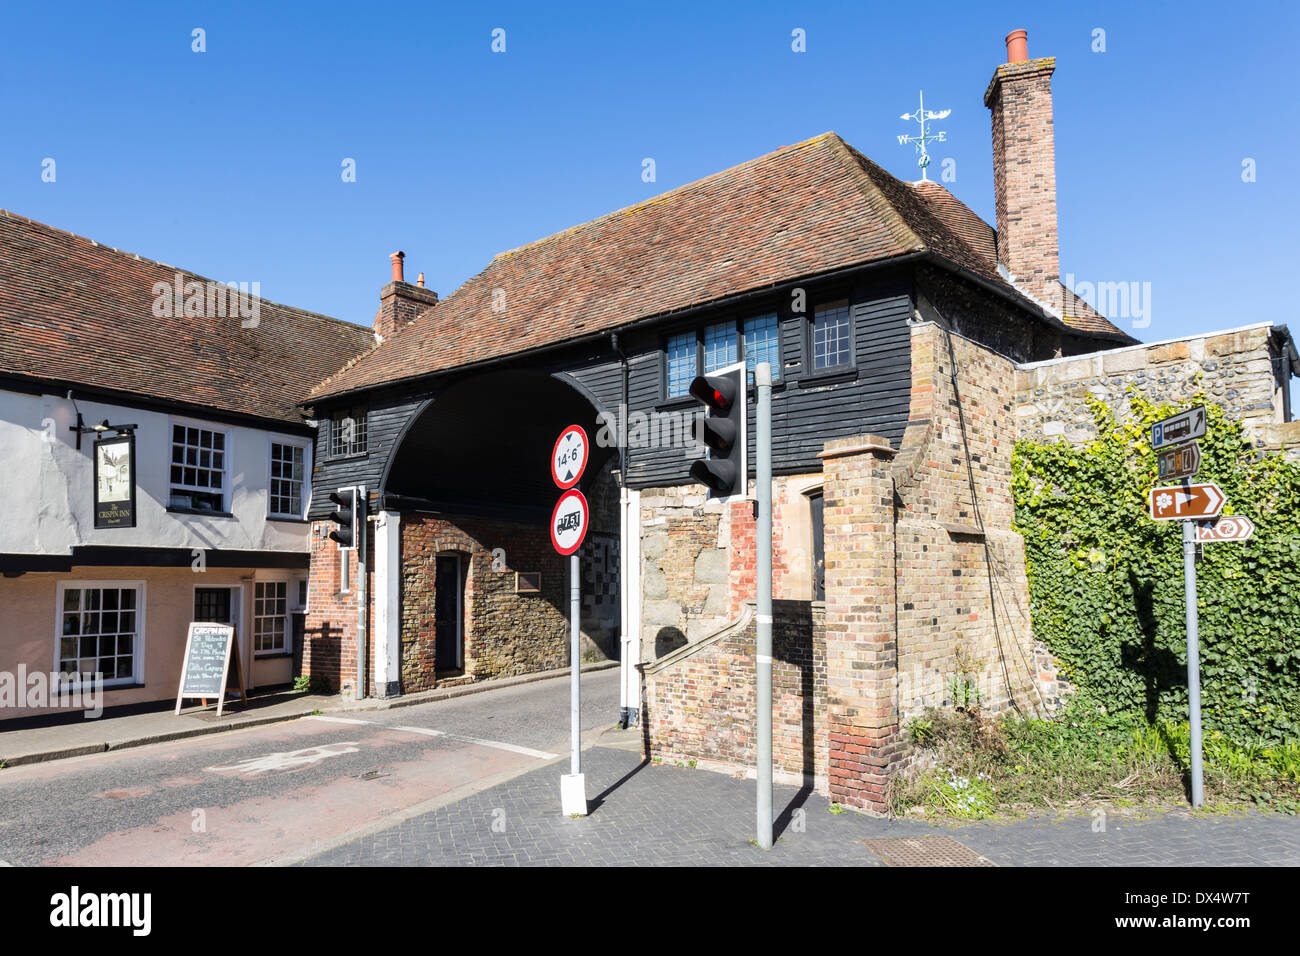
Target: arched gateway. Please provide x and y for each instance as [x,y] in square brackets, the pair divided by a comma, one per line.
[461,582]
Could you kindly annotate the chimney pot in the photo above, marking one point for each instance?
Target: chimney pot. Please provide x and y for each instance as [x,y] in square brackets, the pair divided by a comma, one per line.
[398,270]
[1017,46]
[420,281]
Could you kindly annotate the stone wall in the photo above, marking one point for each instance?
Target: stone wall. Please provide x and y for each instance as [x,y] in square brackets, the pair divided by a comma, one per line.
[505,632]
[698,562]
[699,700]
[1233,368]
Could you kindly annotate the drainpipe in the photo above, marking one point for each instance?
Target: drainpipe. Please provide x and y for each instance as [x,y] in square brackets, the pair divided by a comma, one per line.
[362,585]
[624,605]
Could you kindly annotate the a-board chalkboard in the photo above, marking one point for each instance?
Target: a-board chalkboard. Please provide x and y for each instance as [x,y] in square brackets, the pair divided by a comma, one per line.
[208,650]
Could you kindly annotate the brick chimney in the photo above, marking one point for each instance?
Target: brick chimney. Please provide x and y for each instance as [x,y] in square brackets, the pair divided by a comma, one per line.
[1024,169]
[399,301]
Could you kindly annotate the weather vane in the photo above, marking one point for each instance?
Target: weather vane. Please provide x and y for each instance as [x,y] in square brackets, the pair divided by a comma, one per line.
[923,116]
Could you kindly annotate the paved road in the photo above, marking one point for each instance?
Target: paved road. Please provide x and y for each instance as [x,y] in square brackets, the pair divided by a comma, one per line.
[273,794]
[648,815]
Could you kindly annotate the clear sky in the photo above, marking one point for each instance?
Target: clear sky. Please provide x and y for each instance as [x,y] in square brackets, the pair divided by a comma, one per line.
[228,162]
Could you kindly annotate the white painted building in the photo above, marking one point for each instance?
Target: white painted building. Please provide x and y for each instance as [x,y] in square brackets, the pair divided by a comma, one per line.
[222,469]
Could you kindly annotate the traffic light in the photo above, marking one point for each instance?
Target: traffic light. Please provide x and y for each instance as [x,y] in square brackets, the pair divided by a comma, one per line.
[722,431]
[348,517]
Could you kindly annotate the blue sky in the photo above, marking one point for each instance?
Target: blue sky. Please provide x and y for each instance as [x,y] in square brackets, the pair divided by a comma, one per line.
[228,162]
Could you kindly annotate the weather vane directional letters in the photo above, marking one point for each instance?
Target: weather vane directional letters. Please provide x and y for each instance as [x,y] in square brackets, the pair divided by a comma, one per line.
[923,116]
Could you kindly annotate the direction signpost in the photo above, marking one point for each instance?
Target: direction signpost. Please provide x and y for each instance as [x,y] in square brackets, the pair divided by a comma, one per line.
[1183,461]
[569,523]
[1231,528]
[1186,502]
[1184,427]
[1178,456]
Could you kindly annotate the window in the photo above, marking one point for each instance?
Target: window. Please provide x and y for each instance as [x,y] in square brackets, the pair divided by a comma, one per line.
[348,432]
[681,363]
[762,344]
[270,617]
[286,479]
[198,469]
[832,335]
[99,630]
[719,346]
[757,339]
[213,604]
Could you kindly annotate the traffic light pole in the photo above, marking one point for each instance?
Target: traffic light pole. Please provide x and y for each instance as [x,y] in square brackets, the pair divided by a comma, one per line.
[1193,660]
[763,697]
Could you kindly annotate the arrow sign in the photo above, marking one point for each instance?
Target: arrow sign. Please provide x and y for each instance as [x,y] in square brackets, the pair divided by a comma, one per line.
[1228,528]
[1188,426]
[1181,502]
[1181,462]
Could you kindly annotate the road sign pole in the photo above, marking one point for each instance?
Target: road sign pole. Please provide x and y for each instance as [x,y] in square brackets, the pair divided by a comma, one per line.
[1193,660]
[763,697]
[575,658]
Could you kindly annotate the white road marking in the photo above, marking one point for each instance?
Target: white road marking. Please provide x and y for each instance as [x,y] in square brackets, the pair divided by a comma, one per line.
[288,760]
[496,744]
[430,732]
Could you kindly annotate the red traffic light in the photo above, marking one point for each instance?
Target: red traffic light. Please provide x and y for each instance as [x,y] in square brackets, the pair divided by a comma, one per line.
[716,391]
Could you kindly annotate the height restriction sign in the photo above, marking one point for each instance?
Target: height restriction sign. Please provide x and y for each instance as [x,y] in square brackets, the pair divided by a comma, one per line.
[569,457]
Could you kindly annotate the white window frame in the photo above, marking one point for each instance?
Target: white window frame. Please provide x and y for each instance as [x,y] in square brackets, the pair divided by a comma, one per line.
[334,423]
[227,489]
[290,598]
[305,499]
[138,652]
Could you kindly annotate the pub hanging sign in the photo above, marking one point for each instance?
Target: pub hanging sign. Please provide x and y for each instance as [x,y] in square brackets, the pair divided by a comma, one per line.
[115,482]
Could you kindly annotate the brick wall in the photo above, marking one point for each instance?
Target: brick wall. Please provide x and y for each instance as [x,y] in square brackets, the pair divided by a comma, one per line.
[962,590]
[699,702]
[925,581]
[330,625]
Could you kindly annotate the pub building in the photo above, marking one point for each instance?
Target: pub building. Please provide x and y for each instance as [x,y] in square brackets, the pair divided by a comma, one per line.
[155,468]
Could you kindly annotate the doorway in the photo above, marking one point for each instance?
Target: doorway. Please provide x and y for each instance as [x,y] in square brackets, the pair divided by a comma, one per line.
[449,613]
[817,510]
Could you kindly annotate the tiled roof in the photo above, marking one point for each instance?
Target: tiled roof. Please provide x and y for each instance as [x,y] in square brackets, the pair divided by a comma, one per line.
[802,210]
[74,311]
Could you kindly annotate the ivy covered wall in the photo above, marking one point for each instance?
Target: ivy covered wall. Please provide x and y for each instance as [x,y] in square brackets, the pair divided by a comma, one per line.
[1106,582]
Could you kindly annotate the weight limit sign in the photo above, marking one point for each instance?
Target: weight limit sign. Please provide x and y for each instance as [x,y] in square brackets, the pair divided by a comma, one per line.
[569,522]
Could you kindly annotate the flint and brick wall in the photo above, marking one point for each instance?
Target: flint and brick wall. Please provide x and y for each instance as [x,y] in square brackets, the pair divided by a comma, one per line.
[698,559]
[1234,369]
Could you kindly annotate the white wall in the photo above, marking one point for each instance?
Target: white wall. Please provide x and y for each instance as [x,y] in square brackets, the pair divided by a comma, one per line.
[46,484]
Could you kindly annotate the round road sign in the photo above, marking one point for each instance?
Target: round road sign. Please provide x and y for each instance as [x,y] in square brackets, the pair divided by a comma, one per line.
[569,522]
[569,457]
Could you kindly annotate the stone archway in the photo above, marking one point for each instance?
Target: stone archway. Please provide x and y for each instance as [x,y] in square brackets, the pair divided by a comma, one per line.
[471,476]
